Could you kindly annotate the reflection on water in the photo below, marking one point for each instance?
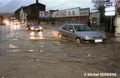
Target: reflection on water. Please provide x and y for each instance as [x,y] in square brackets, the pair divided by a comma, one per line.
[55,33]
[57,43]
[13,46]
[41,46]
[15,27]
[17,50]
[41,51]
[36,35]
[14,39]
[13,34]
[31,50]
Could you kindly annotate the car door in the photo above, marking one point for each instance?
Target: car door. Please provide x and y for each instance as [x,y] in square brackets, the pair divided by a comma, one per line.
[64,30]
[70,32]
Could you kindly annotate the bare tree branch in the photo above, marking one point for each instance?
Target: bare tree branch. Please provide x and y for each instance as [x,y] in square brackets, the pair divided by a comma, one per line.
[99,3]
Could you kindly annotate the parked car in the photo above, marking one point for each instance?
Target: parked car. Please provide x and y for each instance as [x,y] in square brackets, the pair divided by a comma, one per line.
[81,33]
[35,28]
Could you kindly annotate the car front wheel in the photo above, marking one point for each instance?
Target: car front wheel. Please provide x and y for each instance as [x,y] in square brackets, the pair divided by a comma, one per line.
[78,41]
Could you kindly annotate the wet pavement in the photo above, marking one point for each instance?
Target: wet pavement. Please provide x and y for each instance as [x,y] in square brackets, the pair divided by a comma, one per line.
[26,54]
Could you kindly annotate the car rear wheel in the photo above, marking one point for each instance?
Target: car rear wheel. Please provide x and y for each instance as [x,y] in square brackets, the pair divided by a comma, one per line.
[78,41]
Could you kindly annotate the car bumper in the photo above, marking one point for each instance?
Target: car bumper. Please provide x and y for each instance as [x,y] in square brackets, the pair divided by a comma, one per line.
[36,30]
[94,41]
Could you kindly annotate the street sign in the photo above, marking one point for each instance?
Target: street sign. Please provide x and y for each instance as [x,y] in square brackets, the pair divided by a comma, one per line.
[110,13]
[109,4]
[110,9]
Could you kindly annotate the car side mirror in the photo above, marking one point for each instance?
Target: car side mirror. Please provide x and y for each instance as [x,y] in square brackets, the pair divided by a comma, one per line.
[71,30]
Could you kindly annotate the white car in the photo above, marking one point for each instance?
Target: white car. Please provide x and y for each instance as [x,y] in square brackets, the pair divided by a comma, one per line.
[81,33]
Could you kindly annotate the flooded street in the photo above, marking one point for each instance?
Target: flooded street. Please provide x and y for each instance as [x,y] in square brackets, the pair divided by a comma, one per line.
[26,54]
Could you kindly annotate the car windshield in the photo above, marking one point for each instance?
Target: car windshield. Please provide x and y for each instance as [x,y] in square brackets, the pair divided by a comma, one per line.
[82,28]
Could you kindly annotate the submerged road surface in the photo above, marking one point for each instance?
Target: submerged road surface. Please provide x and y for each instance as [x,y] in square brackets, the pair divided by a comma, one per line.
[26,54]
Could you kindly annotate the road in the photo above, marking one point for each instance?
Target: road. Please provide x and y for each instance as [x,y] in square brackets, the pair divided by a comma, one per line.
[25,54]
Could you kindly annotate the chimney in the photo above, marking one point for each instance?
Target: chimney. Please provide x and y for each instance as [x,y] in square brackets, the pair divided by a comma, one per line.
[36,1]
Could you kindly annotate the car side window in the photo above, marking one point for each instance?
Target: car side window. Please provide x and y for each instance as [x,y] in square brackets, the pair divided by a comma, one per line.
[65,27]
[70,28]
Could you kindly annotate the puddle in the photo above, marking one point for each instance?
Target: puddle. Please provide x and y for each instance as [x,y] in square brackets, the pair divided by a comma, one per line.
[31,50]
[13,46]
[14,39]
[41,51]
[17,50]
[36,36]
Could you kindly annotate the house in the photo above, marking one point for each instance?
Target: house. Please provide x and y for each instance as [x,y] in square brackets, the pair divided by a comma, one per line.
[46,16]
[30,13]
[23,15]
[1,18]
[95,18]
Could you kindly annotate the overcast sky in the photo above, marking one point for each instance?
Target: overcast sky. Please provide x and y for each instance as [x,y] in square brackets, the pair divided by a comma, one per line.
[12,5]
[50,4]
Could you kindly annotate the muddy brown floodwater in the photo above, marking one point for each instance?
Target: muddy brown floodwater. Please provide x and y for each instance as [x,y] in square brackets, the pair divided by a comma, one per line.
[25,54]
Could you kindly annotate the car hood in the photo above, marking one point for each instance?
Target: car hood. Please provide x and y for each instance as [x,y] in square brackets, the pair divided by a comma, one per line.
[35,26]
[89,33]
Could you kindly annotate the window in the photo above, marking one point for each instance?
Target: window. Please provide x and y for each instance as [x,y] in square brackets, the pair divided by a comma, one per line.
[65,27]
[82,28]
[70,28]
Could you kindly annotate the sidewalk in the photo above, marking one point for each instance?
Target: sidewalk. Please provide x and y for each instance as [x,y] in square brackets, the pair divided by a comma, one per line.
[111,37]
[117,39]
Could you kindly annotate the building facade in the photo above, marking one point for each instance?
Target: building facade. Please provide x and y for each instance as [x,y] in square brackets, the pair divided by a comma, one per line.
[60,17]
[118,7]
[95,19]
[23,15]
[1,18]
[73,15]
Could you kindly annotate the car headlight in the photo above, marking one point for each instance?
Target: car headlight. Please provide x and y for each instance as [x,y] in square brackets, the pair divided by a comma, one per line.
[87,37]
[40,28]
[32,28]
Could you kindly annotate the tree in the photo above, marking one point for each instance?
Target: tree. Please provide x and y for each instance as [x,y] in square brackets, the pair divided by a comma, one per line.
[99,4]
[1,18]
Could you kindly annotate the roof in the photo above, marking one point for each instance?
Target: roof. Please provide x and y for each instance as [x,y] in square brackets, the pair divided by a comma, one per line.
[25,7]
[36,4]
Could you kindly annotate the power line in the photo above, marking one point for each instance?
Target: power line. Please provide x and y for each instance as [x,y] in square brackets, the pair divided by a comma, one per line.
[62,4]
[51,2]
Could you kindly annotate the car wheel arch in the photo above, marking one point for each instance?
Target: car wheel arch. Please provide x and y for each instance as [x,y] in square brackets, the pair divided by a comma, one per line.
[79,39]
